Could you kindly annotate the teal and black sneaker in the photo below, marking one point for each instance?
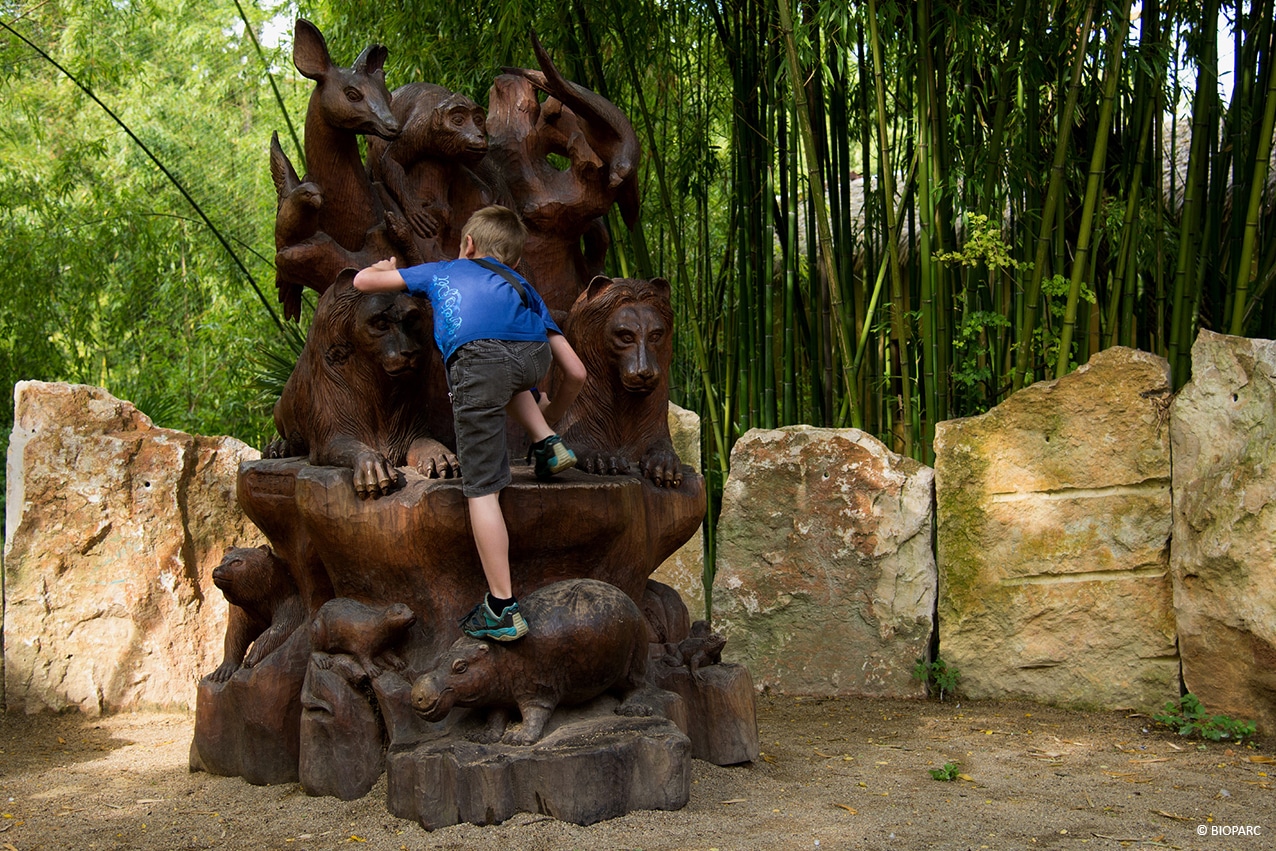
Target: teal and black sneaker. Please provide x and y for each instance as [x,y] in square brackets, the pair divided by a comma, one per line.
[551,456]
[482,622]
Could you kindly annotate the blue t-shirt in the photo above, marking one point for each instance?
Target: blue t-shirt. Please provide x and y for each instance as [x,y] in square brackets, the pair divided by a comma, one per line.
[471,303]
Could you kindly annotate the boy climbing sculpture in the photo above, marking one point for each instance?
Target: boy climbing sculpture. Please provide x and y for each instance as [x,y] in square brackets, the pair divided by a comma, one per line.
[497,339]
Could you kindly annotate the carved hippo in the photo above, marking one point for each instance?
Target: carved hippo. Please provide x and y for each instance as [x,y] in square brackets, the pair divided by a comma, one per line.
[586,637]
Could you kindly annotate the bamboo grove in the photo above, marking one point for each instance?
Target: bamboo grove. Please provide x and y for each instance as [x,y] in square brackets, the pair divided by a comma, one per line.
[885,214]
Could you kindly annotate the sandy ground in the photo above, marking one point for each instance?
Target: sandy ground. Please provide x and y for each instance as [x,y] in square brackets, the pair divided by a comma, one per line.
[834,774]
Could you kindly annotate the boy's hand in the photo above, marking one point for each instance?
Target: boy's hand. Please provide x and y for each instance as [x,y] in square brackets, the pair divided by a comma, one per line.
[387,265]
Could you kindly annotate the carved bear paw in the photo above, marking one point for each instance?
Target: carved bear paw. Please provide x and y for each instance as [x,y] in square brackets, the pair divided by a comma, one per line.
[224,672]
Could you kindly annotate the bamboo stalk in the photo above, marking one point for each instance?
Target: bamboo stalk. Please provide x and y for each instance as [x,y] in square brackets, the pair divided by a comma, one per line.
[1050,206]
[1262,159]
[816,184]
[899,331]
[1099,155]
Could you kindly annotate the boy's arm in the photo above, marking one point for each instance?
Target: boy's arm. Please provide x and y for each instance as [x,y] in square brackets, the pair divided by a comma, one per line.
[571,371]
[381,277]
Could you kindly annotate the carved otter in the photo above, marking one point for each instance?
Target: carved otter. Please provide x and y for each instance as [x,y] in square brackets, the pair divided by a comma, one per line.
[585,637]
[359,395]
[265,607]
[359,630]
[623,331]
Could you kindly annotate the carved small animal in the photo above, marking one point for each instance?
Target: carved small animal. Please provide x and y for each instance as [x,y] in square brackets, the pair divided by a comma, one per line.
[359,396]
[428,169]
[296,218]
[265,607]
[585,638]
[702,647]
[623,331]
[345,626]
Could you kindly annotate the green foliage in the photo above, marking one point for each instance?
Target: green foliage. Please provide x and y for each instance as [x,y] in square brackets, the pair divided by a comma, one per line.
[1054,292]
[947,774]
[938,677]
[112,277]
[1188,716]
[984,244]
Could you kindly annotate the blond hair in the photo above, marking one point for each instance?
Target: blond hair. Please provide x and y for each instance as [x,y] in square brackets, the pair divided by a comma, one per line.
[498,232]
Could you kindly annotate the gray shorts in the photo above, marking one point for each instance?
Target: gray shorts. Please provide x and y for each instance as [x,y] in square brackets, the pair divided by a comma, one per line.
[483,376]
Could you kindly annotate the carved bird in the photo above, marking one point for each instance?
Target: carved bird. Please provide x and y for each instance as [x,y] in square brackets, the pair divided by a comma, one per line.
[296,218]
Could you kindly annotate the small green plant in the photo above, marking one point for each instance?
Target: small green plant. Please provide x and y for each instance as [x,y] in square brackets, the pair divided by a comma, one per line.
[937,676]
[946,774]
[1188,716]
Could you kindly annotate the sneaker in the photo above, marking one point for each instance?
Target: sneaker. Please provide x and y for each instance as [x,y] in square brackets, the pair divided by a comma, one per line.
[482,622]
[551,456]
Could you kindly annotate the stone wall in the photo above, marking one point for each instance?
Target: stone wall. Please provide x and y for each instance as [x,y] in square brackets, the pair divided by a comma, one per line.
[113,528]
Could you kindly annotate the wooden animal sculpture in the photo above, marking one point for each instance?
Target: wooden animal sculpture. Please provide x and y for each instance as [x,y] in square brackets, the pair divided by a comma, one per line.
[358,396]
[586,637]
[296,218]
[701,648]
[623,331]
[353,228]
[561,207]
[606,130]
[265,607]
[431,169]
[345,104]
[364,632]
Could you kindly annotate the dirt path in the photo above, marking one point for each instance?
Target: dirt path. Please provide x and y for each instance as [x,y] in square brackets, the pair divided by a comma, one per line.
[835,774]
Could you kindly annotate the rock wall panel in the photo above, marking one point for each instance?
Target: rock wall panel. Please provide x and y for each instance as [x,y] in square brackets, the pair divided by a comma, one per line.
[1053,513]
[1223,555]
[113,528]
[826,573]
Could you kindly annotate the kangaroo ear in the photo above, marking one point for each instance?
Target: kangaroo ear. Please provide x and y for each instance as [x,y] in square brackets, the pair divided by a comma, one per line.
[310,51]
[372,59]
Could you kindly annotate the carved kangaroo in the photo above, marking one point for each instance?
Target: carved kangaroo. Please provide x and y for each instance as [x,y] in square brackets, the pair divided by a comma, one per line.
[351,227]
[346,103]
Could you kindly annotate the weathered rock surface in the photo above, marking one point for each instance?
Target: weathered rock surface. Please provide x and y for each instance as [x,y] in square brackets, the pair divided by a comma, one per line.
[826,574]
[113,529]
[684,570]
[1053,540]
[1223,434]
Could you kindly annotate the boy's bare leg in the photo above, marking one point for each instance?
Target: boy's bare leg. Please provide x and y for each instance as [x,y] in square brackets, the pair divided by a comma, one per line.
[527,413]
[492,540]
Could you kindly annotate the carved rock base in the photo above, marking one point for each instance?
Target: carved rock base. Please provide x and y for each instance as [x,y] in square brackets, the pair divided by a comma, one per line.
[721,712]
[249,725]
[590,765]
